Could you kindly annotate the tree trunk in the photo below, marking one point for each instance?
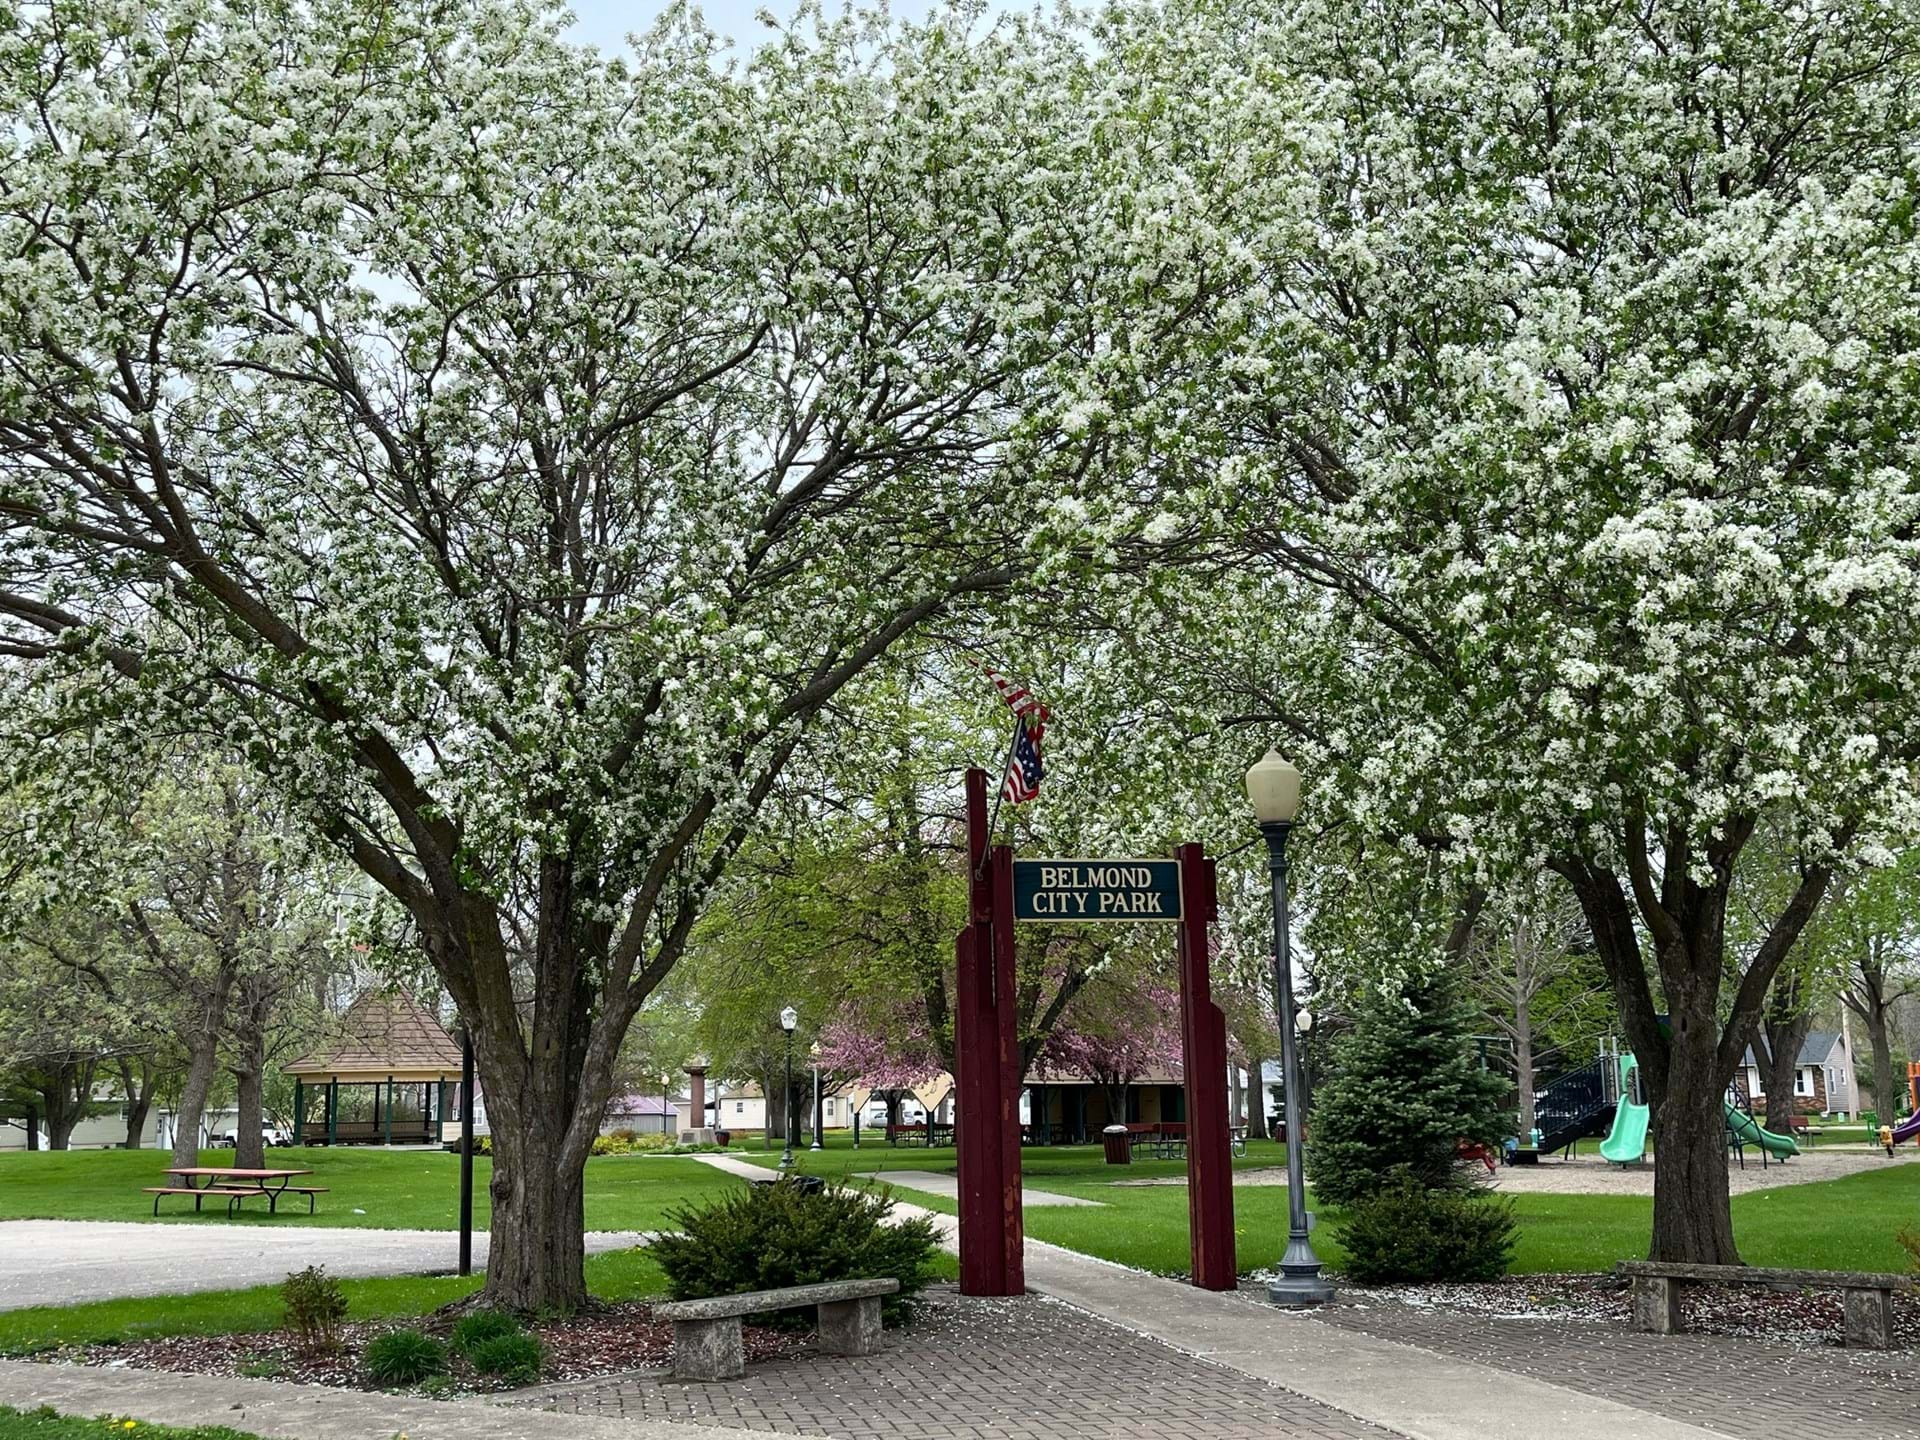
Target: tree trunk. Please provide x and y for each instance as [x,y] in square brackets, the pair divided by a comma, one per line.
[1687,1059]
[1257,1099]
[202,1059]
[1784,1040]
[63,1095]
[139,1088]
[1691,1218]
[1236,1097]
[1523,1063]
[1886,1094]
[249,1152]
[536,1247]
[249,1071]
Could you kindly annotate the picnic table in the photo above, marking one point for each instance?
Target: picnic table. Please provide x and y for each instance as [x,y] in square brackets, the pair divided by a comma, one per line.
[233,1185]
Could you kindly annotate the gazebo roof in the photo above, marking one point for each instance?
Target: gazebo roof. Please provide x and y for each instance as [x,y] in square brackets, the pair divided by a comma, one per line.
[385,1033]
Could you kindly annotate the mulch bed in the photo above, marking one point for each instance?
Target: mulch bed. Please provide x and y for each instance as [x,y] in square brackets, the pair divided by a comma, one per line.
[604,1341]
[1751,1312]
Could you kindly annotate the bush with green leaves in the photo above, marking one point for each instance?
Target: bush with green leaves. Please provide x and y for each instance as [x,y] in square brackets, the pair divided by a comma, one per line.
[314,1307]
[1405,1088]
[1409,1232]
[514,1359]
[480,1325]
[404,1357]
[769,1236]
[1909,1241]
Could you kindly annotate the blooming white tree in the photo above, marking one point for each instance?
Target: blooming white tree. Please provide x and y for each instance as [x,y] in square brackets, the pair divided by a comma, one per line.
[511,451]
[1606,497]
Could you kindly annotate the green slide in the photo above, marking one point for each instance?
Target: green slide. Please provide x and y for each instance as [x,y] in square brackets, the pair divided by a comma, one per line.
[1626,1144]
[1748,1130]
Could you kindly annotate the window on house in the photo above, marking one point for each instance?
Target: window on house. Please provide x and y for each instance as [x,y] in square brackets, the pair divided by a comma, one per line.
[739,1107]
[1803,1082]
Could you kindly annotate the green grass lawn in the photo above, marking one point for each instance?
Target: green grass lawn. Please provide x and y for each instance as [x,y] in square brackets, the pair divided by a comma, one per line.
[378,1189]
[45,1424]
[1844,1224]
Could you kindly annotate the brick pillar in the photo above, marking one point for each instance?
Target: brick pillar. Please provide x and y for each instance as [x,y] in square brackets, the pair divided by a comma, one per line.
[1203,1052]
[697,1096]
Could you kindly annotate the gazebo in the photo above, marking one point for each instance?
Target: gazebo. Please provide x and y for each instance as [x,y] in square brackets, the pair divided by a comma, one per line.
[385,1081]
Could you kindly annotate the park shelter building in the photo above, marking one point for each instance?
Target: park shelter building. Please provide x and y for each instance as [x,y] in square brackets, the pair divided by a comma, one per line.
[392,1078]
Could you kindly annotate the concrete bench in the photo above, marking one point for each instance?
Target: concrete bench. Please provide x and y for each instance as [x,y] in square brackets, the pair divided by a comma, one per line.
[1867,1295]
[707,1344]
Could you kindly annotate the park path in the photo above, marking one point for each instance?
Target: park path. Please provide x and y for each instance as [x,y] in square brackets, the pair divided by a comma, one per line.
[279,1411]
[66,1262]
[1403,1389]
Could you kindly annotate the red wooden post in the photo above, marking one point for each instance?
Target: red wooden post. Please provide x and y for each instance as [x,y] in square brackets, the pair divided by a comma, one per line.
[1203,1047]
[1006,1005]
[986,1059]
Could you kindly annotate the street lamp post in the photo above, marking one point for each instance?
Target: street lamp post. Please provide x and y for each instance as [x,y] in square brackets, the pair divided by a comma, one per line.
[813,1054]
[1273,786]
[789,1018]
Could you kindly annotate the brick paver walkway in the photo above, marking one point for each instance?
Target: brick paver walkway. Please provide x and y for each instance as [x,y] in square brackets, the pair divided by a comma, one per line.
[1014,1368]
[1744,1388]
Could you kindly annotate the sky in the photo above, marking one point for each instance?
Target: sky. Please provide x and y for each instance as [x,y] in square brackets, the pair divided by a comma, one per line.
[606,23]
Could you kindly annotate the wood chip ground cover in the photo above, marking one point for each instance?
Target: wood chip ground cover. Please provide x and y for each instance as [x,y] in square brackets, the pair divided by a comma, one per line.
[605,1341]
[1752,1312]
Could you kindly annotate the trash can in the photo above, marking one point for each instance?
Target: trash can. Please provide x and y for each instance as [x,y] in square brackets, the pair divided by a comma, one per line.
[721,1137]
[1114,1137]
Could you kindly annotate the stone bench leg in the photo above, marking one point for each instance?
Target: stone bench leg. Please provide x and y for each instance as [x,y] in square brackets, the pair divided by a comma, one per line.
[850,1327]
[1869,1319]
[708,1350]
[1656,1305]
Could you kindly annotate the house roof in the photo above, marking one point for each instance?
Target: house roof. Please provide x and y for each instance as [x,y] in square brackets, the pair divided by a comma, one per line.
[1816,1049]
[384,1032]
[640,1105]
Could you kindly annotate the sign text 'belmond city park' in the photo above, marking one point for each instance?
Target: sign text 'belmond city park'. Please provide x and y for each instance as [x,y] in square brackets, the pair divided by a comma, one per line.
[1074,890]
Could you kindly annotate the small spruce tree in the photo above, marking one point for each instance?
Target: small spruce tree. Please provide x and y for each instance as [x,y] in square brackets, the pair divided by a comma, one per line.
[1406,1086]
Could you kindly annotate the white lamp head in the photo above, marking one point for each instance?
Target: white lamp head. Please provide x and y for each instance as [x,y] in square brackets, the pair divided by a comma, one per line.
[1303,1021]
[1274,788]
[789,1018]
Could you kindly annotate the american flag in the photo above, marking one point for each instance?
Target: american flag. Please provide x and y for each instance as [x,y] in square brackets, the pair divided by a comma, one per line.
[1024,769]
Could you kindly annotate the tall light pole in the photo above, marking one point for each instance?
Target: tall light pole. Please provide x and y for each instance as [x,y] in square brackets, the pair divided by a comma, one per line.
[789,1018]
[1273,786]
[813,1054]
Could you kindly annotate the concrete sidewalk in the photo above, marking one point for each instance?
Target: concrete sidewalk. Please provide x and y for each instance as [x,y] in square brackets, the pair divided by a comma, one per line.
[947,1187]
[279,1411]
[67,1262]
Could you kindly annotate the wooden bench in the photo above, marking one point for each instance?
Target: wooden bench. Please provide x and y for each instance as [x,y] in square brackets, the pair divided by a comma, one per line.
[1868,1295]
[707,1344]
[198,1192]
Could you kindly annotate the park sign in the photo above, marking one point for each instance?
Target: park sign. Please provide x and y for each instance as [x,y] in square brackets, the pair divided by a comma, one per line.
[1068,891]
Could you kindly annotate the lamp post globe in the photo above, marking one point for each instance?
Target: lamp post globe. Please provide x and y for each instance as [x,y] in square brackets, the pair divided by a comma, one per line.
[789,1018]
[1273,790]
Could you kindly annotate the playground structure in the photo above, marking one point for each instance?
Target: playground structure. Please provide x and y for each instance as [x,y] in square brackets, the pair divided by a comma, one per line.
[1626,1142]
[1604,1099]
[1743,1130]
